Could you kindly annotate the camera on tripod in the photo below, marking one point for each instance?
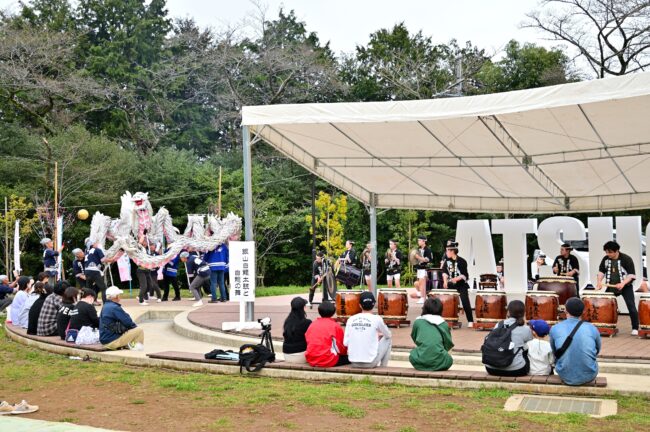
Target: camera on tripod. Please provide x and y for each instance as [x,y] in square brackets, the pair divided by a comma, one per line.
[265,323]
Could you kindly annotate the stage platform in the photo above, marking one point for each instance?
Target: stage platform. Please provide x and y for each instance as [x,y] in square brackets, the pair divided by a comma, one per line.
[466,340]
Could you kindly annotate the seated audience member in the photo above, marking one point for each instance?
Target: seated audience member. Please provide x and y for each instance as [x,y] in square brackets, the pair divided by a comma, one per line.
[7,290]
[51,305]
[116,328]
[67,306]
[84,314]
[325,340]
[34,295]
[43,277]
[577,365]
[540,353]
[367,337]
[519,336]
[35,311]
[295,327]
[432,339]
[17,306]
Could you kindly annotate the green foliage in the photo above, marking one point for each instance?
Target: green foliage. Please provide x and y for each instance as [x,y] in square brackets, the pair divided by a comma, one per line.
[331,214]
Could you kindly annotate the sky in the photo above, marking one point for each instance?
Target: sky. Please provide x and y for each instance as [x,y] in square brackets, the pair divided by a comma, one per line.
[488,24]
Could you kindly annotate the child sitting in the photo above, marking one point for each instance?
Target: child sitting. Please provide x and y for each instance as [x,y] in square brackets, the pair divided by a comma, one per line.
[540,353]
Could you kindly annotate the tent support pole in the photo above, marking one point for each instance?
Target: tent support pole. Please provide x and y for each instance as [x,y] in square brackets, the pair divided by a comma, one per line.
[373,241]
[248,202]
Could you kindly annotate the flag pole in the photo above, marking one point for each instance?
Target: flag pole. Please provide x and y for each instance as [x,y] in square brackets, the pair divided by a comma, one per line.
[7,240]
[219,199]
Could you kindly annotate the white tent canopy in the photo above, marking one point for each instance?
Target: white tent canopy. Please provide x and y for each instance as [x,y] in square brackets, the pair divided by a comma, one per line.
[570,148]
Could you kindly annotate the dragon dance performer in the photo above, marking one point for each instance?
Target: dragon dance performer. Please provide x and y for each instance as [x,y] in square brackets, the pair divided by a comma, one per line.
[201,271]
[393,264]
[50,256]
[78,267]
[93,271]
[170,277]
[455,276]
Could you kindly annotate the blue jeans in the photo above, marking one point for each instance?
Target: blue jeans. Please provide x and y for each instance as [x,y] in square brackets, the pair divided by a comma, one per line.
[217,277]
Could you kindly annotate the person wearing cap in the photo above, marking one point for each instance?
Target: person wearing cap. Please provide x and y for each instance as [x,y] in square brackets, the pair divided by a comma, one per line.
[540,353]
[116,328]
[393,263]
[566,264]
[616,274]
[578,365]
[424,257]
[7,290]
[349,257]
[367,337]
[78,267]
[201,271]
[324,338]
[50,256]
[432,339]
[455,276]
[93,270]
[295,328]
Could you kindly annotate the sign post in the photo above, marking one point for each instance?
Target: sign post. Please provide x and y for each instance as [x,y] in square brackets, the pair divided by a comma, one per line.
[242,282]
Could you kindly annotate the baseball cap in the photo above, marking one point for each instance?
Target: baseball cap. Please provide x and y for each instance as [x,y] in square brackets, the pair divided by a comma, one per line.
[540,327]
[113,291]
[367,300]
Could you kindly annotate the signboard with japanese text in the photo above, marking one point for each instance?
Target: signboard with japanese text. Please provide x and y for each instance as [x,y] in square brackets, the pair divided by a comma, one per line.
[242,271]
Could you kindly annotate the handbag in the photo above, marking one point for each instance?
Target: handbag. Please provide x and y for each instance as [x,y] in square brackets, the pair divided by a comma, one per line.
[87,336]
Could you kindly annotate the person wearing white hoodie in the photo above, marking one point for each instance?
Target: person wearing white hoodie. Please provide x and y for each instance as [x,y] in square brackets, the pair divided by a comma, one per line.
[432,339]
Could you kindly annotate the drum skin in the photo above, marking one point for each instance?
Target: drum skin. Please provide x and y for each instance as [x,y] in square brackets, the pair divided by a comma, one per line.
[490,306]
[348,303]
[600,309]
[644,311]
[392,304]
[488,281]
[450,303]
[564,287]
[542,305]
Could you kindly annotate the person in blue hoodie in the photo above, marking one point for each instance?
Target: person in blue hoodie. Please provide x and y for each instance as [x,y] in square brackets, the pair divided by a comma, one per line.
[116,328]
[217,259]
[198,268]
[170,277]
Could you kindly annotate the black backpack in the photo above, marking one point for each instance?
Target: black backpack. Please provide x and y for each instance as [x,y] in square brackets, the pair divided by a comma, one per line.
[254,356]
[496,349]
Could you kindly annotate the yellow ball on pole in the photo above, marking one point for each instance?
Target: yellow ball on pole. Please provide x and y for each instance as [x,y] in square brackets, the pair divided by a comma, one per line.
[82,214]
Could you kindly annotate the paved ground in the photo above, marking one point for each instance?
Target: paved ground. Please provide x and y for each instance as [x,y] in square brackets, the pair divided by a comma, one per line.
[211,316]
[21,424]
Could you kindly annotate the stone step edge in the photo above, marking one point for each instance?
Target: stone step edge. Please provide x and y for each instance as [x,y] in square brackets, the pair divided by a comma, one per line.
[184,327]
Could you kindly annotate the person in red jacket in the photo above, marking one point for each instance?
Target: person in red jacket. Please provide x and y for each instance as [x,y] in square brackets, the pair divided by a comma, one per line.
[325,340]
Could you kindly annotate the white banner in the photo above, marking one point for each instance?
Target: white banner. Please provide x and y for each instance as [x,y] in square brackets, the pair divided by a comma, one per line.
[124,267]
[17,267]
[242,270]
[59,242]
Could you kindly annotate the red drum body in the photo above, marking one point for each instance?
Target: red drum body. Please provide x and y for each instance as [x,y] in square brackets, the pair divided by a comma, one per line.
[490,308]
[601,310]
[348,303]
[542,305]
[564,287]
[392,304]
[450,300]
[644,314]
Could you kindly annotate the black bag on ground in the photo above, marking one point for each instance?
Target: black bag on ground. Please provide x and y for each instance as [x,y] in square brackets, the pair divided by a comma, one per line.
[496,349]
[254,357]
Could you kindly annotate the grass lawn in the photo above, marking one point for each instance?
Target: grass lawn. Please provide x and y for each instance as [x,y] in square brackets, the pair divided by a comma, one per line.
[146,399]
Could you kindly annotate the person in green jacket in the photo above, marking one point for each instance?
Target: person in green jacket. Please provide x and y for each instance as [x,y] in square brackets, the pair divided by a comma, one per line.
[432,339]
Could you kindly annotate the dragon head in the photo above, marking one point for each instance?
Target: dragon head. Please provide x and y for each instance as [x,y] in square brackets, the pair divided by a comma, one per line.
[141,200]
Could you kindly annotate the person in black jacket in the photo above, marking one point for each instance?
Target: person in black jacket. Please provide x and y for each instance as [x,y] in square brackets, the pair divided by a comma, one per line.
[295,327]
[35,310]
[84,314]
[67,305]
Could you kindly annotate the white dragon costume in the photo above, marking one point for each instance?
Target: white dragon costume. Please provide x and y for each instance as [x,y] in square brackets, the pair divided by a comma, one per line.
[137,220]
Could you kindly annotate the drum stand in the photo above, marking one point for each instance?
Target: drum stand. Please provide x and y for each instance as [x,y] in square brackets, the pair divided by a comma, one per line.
[608,330]
[644,332]
[397,322]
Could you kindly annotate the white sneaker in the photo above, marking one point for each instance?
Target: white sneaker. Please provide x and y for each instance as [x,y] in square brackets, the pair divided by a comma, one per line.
[309,304]
[421,301]
[198,303]
[470,324]
[152,297]
[143,303]
[635,332]
[159,300]
[136,346]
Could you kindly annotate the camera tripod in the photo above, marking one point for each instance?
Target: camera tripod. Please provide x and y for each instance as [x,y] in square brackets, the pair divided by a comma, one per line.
[267,341]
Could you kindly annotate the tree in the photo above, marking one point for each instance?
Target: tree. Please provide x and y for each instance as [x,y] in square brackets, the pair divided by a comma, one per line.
[331,213]
[613,36]
[523,67]
[19,208]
